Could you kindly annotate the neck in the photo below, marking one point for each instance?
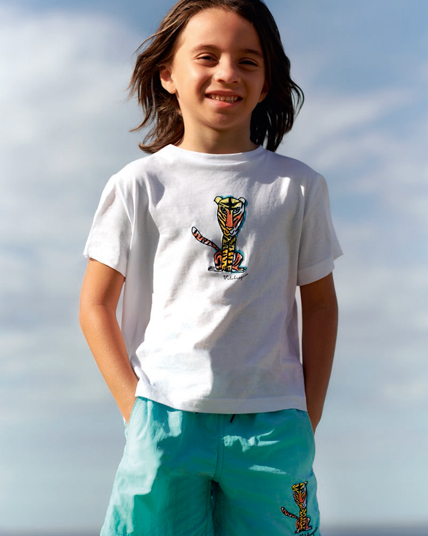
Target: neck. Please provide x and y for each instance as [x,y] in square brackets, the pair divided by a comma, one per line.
[217,142]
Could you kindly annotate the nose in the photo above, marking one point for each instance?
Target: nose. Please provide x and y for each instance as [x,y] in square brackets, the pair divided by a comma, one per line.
[227,72]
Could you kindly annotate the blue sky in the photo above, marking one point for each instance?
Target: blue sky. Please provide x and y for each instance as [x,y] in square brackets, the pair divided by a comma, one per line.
[65,69]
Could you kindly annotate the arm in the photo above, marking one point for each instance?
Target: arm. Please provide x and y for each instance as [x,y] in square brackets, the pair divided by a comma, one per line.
[98,302]
[319,330]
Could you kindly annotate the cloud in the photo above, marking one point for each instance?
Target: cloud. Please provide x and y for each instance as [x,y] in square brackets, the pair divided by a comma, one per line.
[368,145]
[352,136]
[63,86]
[376,169]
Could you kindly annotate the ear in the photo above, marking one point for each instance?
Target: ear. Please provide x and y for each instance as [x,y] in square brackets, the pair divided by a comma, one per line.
[264,92]
[167,80]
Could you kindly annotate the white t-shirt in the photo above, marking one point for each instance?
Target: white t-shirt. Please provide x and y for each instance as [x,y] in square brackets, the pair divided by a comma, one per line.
[212,248]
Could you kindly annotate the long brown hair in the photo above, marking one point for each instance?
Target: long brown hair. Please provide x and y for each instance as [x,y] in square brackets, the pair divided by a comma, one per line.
[271,119]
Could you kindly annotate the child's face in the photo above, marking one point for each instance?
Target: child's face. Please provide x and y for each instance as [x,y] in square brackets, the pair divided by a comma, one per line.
[217,74]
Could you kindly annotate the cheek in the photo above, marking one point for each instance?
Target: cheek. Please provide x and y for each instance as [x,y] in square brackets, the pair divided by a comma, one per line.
[263,89]
[194,85]
[197,78]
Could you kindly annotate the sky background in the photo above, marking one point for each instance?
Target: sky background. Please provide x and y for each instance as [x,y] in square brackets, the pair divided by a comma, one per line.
[65,66]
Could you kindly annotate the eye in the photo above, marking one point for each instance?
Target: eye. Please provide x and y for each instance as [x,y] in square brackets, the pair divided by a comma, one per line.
[249,62]
[206,58]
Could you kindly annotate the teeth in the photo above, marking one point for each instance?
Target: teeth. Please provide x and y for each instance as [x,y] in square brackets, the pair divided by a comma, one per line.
[223,98]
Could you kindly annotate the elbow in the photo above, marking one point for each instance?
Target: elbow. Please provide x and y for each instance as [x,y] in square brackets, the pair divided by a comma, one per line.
[83,315]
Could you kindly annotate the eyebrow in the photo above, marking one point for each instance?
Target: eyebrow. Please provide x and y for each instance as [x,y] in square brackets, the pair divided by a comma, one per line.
[200,48]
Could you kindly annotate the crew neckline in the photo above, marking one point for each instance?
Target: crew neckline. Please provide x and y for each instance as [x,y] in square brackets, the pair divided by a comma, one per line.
[214,157]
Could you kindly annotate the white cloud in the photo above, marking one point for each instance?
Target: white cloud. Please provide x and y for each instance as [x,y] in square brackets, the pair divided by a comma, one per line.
[407,392]
[377,178]
[63,83]
[369,145]
[376,167]
[62,87]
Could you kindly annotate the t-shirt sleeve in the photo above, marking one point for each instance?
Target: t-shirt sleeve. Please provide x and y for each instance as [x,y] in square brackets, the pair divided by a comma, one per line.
[319,246]
[111,232]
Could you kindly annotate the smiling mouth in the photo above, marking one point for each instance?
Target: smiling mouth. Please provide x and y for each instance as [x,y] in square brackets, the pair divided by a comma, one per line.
[224,98]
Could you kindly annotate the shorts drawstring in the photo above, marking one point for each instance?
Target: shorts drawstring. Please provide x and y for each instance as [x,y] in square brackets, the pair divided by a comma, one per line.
[231,419]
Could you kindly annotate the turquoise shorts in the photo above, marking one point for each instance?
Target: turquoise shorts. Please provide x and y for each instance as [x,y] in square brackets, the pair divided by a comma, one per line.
[204,474]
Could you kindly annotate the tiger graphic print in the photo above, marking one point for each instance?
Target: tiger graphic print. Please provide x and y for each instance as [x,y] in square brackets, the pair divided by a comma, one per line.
[300,496]
[231,213]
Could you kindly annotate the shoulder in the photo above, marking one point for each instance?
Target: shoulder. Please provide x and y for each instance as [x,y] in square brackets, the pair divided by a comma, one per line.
[137,175]
[299,176]
[135,170]
[292,167]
